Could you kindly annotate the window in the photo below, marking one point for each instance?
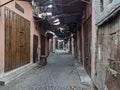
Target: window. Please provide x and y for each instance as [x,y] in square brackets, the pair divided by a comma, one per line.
[17,6]
[101,5]
[110,1]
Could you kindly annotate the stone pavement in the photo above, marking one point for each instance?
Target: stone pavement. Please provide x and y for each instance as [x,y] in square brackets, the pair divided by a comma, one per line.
[59,74]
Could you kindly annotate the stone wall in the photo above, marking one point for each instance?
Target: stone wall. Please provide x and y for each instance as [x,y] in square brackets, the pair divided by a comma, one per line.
[108,6]
[107,75]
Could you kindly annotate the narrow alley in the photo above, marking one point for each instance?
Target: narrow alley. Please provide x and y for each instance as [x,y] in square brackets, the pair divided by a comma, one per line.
[59,74]
[59,44]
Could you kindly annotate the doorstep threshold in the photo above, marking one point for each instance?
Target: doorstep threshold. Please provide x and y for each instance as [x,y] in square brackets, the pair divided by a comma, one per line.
[5,78]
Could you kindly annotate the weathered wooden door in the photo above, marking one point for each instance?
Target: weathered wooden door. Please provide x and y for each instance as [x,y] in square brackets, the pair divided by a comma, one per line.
[35,48]
[87,45]
[17,40]
[113,79]
[42,45]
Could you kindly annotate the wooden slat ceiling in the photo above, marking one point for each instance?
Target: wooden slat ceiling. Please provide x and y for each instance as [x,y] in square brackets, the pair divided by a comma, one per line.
[69,12]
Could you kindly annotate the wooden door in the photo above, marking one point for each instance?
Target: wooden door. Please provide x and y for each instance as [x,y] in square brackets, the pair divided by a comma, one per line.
[17,40]
[87,45]
[42,45]
[112,79]
[35,47]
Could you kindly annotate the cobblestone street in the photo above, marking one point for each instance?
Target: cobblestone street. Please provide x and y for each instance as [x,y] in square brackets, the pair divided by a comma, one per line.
[59,74]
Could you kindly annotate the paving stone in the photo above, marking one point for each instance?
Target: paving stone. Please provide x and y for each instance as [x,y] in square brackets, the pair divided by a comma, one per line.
[59,74]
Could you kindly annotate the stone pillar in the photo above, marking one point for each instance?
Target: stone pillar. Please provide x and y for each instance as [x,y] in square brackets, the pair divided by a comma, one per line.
[54,48]
[82,44]
[78,45]
[93,41]
[72,42]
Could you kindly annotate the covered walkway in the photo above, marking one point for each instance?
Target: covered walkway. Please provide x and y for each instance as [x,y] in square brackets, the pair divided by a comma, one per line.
[60,74]
[87,32]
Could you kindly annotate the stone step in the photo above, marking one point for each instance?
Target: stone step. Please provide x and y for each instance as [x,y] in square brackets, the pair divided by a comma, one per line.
[9,76]
[84,77]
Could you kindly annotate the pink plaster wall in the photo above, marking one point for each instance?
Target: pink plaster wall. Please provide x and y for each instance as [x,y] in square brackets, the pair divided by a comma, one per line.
[28,15]
[82,44]
[90,11]
[1,41]
[85,17]
[93,40]
[78,44]
[35,31]
[47,46]
[54,44]
[42,31]
[72,41]
[51,45]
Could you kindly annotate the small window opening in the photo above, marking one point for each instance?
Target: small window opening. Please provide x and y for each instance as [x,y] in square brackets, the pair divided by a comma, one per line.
[110,1]
[101,5]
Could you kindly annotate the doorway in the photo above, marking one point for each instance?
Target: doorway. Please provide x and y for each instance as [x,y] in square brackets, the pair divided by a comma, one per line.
[17,40]
[35,47]
[87,45]
[42,45]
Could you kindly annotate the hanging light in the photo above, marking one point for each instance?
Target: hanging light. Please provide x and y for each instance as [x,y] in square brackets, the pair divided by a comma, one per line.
[61,28]
[42,15]
[49,13]
[57,23]
[50,6]
[56,20]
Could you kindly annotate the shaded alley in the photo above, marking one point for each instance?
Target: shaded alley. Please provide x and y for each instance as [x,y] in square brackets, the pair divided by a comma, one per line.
[59,74]
[59,44]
